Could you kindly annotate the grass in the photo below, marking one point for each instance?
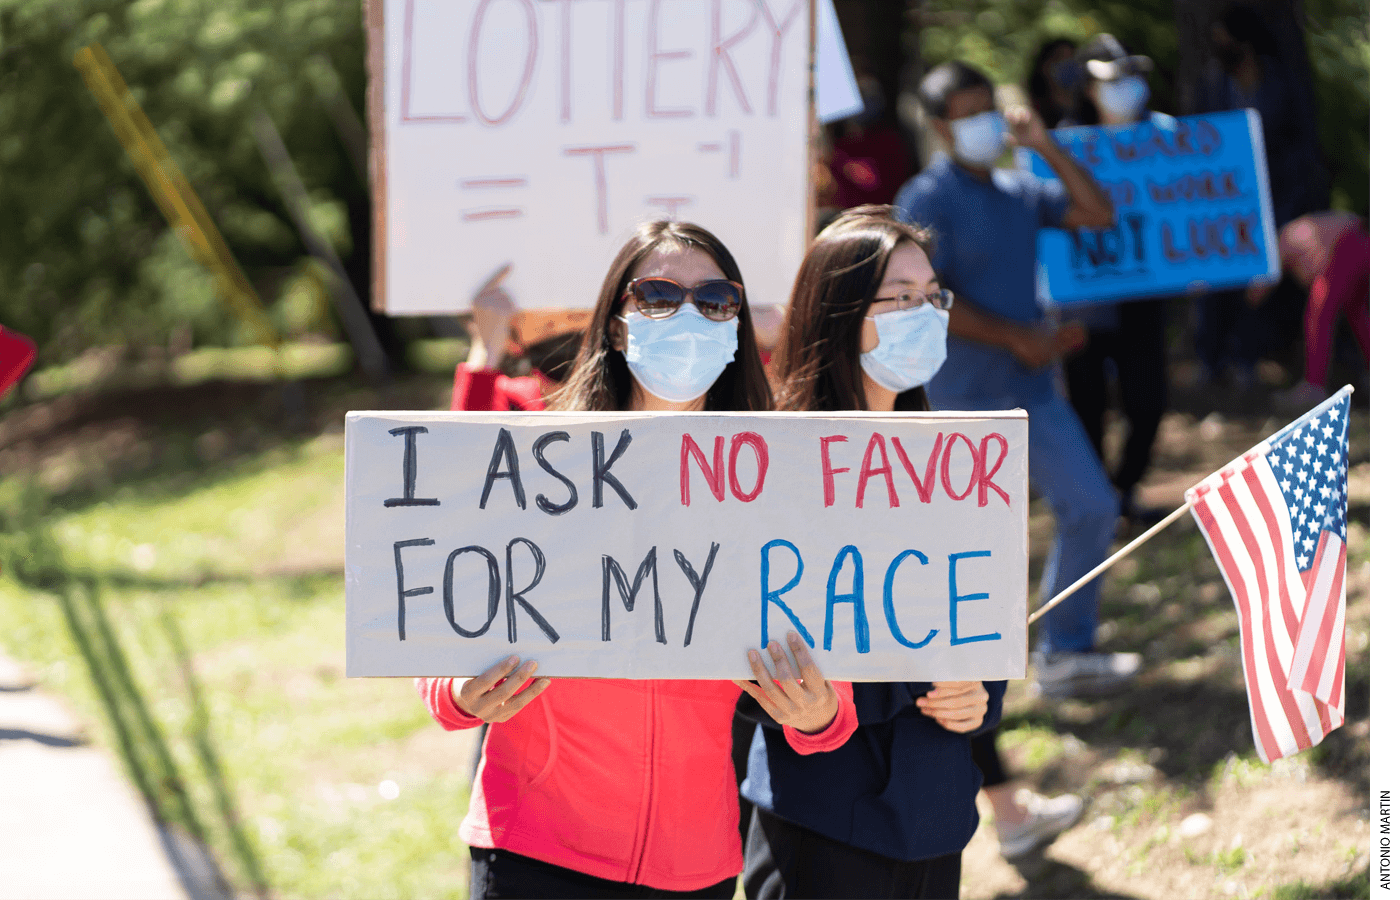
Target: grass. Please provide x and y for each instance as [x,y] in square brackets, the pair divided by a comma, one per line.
[178,612]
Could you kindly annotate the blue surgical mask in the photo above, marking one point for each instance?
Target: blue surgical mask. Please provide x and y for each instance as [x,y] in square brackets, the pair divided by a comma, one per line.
[679,357]
[913,345]
[1123,98]
[978,140]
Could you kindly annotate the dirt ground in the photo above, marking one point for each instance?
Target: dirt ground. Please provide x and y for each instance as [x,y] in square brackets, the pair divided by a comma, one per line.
[1177,803]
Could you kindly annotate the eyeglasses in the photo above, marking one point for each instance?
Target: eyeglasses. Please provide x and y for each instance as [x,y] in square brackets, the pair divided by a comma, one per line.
[939,298]
[657,298]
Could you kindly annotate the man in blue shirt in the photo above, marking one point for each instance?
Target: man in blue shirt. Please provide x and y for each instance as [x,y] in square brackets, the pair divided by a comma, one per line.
[1001,355]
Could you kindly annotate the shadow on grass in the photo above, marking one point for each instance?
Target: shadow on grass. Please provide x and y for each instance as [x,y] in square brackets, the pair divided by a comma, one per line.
[168,440]
[1052,879]
[144,747]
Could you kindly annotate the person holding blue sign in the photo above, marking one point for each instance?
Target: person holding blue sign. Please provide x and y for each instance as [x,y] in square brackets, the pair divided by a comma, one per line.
[1001,348]
[1112,90]
[618,787]
[1001,355]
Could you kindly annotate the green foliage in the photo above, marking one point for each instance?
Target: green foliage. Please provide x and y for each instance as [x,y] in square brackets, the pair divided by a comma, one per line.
[1339,42]
[87,258]
[1001,37]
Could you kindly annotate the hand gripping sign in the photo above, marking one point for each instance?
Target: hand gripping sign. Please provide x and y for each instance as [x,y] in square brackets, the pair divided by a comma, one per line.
[666,545]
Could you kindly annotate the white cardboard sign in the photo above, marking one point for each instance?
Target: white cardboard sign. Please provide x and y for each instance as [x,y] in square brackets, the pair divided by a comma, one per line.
[626,545]
[541,132]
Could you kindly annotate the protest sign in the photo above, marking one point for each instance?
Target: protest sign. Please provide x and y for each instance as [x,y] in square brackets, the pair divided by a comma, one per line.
[666,545]
[539,133]
[1193,206]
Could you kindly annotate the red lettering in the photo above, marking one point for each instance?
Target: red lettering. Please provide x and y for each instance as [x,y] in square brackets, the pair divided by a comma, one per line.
[876,440]
[828,473]
[719,55]
[1169,249]
[714,475]
[566,43]
[984,475]
[532,44]
[923,487]
[619,55]
[947,458]
[654,57]
[775,56]
[600,176]
[406,90]
[760,451]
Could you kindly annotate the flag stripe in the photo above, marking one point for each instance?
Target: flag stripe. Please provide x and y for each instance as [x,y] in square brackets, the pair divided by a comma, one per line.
[1263,734]
[1275,668]
[1320,613]
[1290,617]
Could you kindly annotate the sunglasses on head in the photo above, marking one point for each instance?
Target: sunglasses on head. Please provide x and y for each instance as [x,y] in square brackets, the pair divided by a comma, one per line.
[657,298]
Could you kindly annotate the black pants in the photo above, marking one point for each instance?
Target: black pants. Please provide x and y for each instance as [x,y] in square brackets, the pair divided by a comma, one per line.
[500,873]
[1138,349]
[783,861]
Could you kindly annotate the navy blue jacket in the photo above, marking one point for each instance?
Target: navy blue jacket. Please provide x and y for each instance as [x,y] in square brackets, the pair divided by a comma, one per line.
[903,786]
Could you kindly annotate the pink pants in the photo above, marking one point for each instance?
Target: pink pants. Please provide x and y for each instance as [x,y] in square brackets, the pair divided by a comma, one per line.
[1343,286]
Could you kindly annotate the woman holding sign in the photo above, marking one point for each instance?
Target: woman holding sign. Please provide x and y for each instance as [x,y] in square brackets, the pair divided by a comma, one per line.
[614,787]
[866,329]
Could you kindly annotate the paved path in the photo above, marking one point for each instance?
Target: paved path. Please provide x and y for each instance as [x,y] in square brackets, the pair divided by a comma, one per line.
[71,825]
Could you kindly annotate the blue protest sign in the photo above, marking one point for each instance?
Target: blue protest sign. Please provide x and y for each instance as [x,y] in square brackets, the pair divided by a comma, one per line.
[1193,205]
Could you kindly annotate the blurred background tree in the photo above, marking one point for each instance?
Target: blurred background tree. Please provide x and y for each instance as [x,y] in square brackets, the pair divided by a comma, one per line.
[87,260]
[85,257]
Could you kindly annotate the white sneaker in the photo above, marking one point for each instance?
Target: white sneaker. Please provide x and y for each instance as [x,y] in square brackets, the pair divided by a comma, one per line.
[1060,675]
[1046,817]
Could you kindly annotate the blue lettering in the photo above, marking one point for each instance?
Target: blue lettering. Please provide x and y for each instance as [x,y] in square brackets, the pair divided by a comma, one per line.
[856,598]
[889,600]
[775,597]
[954,599]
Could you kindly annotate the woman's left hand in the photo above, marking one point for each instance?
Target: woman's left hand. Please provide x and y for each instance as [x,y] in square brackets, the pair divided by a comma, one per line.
[959,706]
[807,703]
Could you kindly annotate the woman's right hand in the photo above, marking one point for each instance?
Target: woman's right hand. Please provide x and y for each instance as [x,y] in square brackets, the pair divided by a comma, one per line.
[959,706]
[491,696]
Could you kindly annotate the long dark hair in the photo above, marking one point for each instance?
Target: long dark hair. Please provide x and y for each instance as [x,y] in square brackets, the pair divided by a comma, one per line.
[600,380]
[817,364]
[1038,84]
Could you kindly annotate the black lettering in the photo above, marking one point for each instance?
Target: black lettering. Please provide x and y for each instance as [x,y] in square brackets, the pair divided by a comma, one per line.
[398,567]
[554,509]
[1135,222]
[505,450]
[612,571]
[514,597]
[493,590]
[410,467]
[1111,246]
[600,469]
[697,583]
[1087,247]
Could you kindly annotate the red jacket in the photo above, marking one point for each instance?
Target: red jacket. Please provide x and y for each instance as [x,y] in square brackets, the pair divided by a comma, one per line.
[627,780]
[488,390]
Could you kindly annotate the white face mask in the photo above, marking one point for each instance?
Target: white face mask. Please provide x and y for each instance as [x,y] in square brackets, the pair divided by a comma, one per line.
[679,357]
[1123,98]
[913,345]
[978,140]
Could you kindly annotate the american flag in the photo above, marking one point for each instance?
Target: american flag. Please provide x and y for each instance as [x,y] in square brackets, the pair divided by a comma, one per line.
[1276,521]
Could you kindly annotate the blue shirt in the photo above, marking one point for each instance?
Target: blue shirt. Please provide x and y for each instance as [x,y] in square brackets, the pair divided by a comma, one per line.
[984,240]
